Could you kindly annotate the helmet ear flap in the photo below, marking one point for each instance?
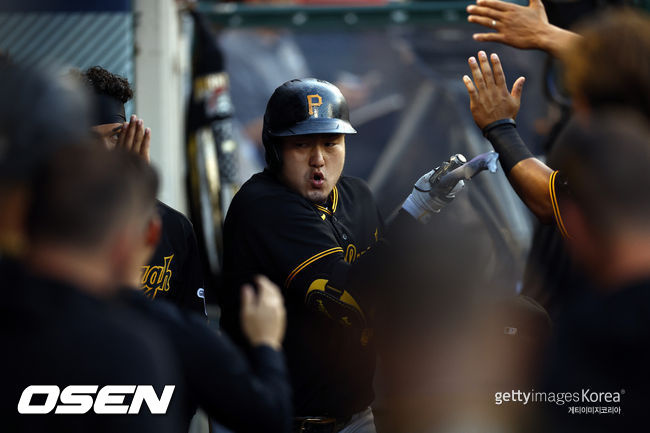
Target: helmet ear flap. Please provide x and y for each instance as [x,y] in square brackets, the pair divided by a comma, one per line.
[272,153]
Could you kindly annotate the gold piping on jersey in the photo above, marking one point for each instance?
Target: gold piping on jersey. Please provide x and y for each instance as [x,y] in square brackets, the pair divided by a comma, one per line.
[323,209]
[555,205]
[335,198]
[309,261]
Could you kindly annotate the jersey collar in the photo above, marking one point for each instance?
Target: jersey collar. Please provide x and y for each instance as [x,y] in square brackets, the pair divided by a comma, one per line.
[332,202]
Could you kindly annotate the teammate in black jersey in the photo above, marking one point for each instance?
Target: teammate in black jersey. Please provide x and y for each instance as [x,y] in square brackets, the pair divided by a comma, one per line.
[174,272]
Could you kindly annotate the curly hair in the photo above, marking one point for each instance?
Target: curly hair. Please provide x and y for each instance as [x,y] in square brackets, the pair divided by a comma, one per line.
[107,83]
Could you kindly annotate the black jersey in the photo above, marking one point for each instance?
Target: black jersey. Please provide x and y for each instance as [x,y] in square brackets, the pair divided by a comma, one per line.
[174,272]
[308,250]
[552,276]
[54,334]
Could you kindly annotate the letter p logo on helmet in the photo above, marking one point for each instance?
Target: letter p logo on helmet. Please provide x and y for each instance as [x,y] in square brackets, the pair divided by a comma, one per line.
[314,101]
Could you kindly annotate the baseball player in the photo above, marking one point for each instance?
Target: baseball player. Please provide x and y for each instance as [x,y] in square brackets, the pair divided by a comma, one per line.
[174,272]
[312,231]
[621,37]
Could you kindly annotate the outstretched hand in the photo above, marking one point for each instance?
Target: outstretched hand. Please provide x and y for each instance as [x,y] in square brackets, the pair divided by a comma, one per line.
[520,26]
[489,97]
[515,25]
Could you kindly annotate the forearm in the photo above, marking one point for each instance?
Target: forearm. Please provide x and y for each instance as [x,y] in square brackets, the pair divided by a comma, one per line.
[530,180]
[528,176]
[556,41]
[226,381]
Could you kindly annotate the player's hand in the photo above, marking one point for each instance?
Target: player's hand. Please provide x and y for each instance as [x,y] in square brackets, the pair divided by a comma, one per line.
[489,98]
[515,25]
[263,317]
[427,198]
[135,138]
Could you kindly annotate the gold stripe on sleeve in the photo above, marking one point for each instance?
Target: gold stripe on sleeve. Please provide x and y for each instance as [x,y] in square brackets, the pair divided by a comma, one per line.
[309,261]
[556,207]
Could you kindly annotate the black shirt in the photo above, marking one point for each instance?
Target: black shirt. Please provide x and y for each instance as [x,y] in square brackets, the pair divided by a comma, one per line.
[601,345]
[307,250]
[54,334]
[241,395]
[174,271]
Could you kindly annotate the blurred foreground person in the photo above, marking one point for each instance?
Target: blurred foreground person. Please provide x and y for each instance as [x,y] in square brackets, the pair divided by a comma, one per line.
[89,223]
[600,347]
[30,132]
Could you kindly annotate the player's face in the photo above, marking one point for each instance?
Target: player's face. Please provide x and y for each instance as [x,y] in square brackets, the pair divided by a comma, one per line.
[108,133]
[312,164]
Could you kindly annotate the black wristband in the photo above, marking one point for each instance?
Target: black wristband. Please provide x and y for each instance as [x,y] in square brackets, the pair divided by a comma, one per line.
[506,141]
[491,126]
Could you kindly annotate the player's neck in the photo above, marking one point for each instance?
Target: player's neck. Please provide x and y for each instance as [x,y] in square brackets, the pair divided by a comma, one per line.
[86,271]
[628,261]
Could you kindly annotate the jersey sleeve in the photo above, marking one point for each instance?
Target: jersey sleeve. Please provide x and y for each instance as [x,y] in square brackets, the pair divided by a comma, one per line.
[194,292]
[559,191]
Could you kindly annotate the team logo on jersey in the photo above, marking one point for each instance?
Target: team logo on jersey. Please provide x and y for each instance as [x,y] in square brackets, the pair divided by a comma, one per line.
[156,278]
[351,253]
[314,101]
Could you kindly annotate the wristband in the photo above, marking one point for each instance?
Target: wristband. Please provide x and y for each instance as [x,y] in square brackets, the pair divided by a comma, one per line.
[491,126]
[506,140]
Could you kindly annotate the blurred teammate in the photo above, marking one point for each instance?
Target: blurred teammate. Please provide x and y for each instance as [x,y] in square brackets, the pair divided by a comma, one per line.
[312,230]
[85,241]
[601,338]
[174,272]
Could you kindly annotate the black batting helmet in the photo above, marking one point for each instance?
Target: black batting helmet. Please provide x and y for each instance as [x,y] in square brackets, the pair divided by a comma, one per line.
[300,107]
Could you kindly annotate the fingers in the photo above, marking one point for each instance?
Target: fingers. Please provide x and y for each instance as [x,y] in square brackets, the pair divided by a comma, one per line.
[489,37]
[484,12]
[485,22]
[486,69]
[479,82]
[138,136]
[267,291]
[122,137]
[495,4]
[247,297]
[499,76]
[144,149]
[130,133]
[518,88]
[473,93]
